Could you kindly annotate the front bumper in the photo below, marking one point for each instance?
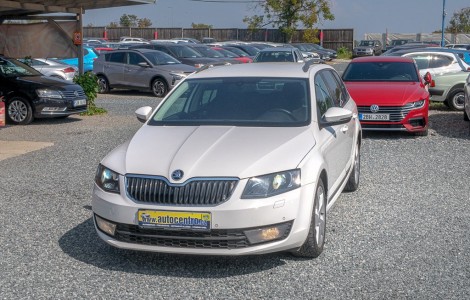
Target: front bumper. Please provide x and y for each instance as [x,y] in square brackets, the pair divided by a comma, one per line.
[229,222]
[415,120]
[50,108]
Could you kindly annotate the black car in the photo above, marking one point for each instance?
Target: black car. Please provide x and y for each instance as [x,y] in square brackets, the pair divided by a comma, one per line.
[29,94]
[181,52]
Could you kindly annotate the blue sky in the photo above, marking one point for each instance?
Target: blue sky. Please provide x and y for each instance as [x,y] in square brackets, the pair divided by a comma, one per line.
[364,16]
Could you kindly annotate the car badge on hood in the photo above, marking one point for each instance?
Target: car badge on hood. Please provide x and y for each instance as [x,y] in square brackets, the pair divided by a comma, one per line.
[177,175]
[374,108]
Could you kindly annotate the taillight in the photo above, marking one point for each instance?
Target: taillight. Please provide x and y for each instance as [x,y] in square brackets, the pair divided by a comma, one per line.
[69,70]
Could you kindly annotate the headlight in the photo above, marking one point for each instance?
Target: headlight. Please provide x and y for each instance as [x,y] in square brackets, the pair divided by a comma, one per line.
[107,179]
[419,104]
[177,76]
[47,93]
[272,184]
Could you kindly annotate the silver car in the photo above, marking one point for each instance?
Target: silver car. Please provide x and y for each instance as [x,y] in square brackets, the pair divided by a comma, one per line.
[466,112]
[52,68]
[141,69]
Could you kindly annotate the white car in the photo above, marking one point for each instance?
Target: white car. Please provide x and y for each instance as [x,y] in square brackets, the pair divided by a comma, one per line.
[240,159]
[466,111]
[437,62]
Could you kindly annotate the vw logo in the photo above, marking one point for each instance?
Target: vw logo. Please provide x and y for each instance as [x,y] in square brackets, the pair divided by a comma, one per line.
[177,175]
[76,93]
[374,108]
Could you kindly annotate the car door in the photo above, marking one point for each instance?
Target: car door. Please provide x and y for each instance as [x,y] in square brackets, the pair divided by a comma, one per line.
[336,141]
[113,68]
[136,75]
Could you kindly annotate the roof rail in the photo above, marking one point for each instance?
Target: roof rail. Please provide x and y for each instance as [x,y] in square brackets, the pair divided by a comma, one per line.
[310,62]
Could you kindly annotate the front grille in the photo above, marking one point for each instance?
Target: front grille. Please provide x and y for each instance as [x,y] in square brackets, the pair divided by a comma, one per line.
[397,113]
[70,95]
[214,239]
[198,192]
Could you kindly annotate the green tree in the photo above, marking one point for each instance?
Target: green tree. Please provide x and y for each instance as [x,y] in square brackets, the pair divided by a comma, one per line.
[144,23]
[128,20]
[113,25]
[200,26]
[460,21]
[288,15]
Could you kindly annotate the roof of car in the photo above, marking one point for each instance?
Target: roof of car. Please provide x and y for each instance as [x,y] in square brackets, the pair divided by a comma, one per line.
[383,59]
[277,69]
[278,49]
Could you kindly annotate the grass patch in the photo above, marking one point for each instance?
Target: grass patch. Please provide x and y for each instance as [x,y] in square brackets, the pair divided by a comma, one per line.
[438,106]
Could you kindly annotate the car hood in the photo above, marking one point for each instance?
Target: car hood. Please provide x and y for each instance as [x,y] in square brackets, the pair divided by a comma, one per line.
[386,93]
[211,151]
[45,81]
[177,68]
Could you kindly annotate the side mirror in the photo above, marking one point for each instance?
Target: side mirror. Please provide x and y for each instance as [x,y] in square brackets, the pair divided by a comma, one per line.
[143,113]
[427,78]
[336,116]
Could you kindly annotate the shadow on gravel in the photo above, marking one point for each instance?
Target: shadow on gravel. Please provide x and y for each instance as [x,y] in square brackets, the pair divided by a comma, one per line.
[56,121]
[83,244]
[130,93]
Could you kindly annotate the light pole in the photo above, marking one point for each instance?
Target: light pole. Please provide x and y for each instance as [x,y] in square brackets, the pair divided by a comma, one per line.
[443,21]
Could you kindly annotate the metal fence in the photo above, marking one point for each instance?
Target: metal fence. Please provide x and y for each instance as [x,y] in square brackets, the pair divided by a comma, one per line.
[332,38]
[449,38]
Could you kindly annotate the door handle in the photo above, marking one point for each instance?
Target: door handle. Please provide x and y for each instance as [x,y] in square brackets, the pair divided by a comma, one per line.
[354,116]
[344,129]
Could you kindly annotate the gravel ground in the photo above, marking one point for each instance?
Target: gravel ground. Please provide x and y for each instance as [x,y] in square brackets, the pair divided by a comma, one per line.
[404,234]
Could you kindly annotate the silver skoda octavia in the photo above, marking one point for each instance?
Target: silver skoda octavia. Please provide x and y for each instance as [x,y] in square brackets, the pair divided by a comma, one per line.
[240,159]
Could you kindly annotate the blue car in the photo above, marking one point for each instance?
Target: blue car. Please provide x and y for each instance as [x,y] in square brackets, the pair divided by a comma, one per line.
[89,56]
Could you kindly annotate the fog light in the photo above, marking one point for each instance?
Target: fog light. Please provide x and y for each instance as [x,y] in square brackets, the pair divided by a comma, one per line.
[265,234]
[105,226]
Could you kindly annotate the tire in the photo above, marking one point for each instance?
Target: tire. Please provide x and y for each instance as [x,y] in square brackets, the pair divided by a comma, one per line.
[103,85]
[353,180]
[19,111]
[313,245]
[159,87]
[456,100]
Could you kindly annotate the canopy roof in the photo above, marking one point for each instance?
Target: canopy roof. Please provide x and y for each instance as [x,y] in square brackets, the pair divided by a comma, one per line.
[18,8]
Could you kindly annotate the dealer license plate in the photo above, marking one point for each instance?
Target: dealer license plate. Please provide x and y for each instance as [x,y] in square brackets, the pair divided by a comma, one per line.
[374,117]
[174,219]
[81,102]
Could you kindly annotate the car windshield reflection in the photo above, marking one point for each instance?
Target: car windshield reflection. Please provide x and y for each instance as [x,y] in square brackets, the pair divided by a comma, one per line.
[381,71]
[258,102]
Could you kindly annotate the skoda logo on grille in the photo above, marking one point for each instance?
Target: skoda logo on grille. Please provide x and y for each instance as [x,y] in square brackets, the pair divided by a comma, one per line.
[374,108]
[177,175]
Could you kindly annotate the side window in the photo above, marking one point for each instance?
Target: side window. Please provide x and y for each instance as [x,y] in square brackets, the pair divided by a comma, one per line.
[117,57]
[135,59]
[322,95]
[438,61]
[344,91]
[334,88]
[422,60]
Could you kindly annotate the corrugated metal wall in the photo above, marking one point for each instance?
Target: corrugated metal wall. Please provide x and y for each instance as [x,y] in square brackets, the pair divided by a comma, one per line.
[332,38]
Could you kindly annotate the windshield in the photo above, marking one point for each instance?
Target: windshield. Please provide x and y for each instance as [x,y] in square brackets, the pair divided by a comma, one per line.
[239,101]
[227,53]
[160,58]
[367,43]
[381,71]
[184,52]
[13,68]
[208,52]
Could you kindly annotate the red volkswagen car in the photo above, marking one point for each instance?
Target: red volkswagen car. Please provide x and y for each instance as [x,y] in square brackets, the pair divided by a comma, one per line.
[390,94]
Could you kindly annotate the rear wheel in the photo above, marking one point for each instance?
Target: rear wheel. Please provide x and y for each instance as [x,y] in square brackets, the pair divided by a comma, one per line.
[456,100]
[103,85]
[19,111]
[159,87]
[313,245]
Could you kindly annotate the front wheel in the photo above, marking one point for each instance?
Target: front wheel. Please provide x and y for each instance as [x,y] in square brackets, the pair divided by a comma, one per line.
[456,100]
[19,111]
[159,87]
[313,245]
